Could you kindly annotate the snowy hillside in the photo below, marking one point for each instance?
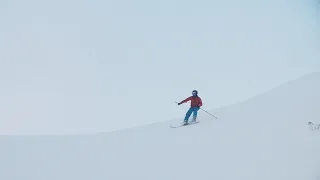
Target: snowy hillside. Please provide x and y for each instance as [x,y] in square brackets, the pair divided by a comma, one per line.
[265,138]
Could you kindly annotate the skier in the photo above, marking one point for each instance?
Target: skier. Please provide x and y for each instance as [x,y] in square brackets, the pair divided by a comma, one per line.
[195,105]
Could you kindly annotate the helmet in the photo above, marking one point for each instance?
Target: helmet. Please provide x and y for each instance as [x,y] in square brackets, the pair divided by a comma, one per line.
[195,93]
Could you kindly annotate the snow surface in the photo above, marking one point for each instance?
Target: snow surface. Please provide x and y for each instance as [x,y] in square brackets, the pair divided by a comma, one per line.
[264,138]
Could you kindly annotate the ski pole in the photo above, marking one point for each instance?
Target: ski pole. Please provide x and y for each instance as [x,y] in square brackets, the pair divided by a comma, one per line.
[206,112]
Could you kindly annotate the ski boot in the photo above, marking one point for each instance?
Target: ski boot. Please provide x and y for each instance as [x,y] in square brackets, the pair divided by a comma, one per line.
[194,120]
[185,122]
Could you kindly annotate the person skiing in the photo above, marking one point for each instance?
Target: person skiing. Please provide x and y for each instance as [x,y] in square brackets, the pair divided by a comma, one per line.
[196,103]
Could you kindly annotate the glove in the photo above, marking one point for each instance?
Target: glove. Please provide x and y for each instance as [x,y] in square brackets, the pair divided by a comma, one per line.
[179,104]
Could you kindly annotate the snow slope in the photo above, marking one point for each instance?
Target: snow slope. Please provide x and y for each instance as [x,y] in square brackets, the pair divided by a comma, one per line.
[264,138]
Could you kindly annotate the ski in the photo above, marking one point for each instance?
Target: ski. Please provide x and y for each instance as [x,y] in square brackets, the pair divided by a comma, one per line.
[185,125]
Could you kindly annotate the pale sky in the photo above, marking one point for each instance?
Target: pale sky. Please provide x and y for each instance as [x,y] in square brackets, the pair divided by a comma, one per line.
[70,66]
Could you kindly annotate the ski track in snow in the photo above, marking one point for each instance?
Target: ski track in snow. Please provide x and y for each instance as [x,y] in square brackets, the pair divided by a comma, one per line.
[265,138]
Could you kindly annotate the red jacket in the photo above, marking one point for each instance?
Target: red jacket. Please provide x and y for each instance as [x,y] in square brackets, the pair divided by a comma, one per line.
[195,101]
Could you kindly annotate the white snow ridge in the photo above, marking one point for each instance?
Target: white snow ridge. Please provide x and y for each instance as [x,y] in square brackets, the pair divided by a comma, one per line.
[264,138]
